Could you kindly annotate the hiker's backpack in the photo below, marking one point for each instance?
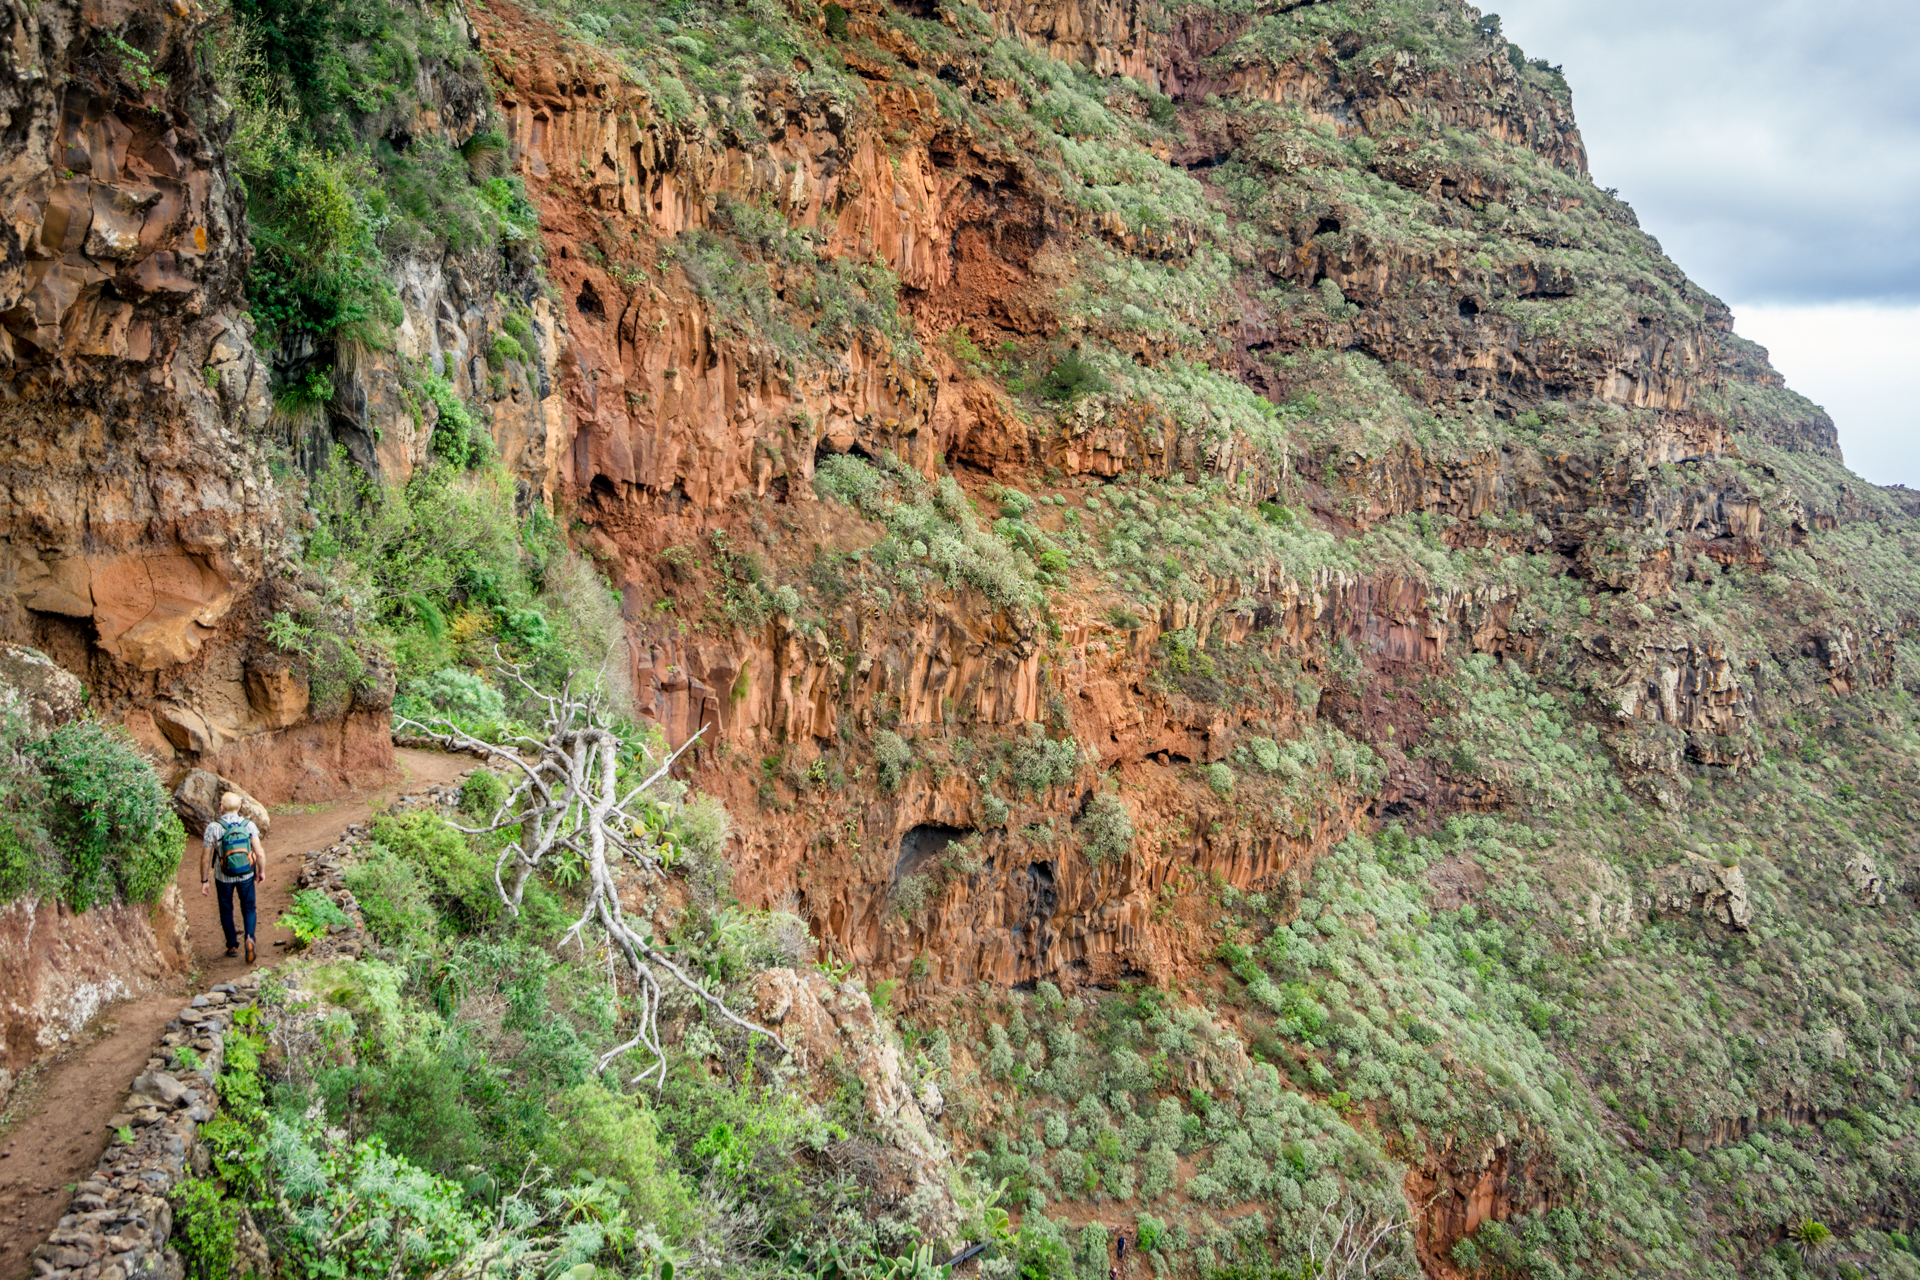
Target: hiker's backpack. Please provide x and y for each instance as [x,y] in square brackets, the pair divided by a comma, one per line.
[236,846]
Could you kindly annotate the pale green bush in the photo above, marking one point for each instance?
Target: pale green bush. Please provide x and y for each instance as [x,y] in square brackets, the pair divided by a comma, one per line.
[1106,829]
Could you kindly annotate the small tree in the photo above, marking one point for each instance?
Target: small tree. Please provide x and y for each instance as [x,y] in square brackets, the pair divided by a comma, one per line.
[569,799]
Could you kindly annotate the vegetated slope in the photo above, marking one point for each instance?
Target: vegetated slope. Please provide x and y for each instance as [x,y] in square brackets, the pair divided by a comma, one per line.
[1492,661]
[1207,551]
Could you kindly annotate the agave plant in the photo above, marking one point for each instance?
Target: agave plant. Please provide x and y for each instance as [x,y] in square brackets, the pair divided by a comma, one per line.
[1811,1238]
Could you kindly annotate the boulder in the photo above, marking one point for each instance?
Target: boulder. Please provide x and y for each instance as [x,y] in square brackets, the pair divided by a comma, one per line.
[1702,885]
[197,800]
[1869,890]
[34,686]
[161,1087]
[829,1027]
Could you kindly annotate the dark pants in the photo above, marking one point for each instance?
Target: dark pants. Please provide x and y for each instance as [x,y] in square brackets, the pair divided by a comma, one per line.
[244,889]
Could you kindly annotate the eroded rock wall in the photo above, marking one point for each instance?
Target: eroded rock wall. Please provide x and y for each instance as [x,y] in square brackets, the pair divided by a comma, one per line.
[58,968]
[139,522]
[675,418]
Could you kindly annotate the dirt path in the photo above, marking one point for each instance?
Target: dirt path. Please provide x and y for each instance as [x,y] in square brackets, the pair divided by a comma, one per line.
[55,1127]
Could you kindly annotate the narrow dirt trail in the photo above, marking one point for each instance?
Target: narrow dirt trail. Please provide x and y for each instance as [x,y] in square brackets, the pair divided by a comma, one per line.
[59,1125]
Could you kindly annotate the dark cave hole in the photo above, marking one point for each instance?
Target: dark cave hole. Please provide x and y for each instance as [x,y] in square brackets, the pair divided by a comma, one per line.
[924,844]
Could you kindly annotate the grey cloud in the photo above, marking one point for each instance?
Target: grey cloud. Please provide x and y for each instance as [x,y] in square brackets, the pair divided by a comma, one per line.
[1772,145]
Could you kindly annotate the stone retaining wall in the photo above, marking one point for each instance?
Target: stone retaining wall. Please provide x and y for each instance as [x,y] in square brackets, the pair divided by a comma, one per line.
[120,1220]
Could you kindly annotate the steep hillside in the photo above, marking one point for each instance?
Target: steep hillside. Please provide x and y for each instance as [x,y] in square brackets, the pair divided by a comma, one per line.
[1329,696]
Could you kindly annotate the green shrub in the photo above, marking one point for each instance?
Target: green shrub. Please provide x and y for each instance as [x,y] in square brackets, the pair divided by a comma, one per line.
[1220,778]
[482,794]
[395,900]
[458,436]
[460,880]
[1040,763]
[108,815]
[29,864]
[836,22]
[460,696]
[934,526]
[1070,378]
[312,913]
[504,349]
[1106,829]
[601,1133]
[205,1226]
[893,757]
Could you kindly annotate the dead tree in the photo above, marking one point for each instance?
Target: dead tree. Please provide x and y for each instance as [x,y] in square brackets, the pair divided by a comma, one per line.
[1350,1246]
[568,799]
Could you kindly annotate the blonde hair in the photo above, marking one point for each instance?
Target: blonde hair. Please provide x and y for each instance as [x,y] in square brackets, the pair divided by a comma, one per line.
[230,802]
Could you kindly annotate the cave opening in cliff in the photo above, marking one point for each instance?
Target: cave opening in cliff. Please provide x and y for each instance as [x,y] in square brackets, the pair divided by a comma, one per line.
[588,302]
[825,450]
[923,845]
[1469,308]
[1327,226]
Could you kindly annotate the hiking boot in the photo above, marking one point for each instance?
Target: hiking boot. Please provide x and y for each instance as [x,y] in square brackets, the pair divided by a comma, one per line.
[232,952]
[249,950]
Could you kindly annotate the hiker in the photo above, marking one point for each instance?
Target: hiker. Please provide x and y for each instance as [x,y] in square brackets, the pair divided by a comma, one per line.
[1120,1245]
[238,861]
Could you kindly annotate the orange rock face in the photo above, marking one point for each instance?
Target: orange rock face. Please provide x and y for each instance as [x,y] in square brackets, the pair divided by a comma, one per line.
[138,520]
[58,969]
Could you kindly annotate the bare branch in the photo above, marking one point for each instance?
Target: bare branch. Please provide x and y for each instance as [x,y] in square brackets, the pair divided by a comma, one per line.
[569,801]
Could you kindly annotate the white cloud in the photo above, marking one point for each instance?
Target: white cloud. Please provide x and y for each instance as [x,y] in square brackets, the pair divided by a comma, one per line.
[1772,145]
[1860,363]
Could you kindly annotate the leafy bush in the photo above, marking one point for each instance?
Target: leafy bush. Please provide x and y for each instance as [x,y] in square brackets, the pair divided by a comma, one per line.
[1040,763]
[395,899]
[30,866]
[1070,378]
[1220,778]
[503,349]
[460,696]
[108,815]
[893,757]
[932,524]
[205,1226]
[1106,829]
[482,794]
[459,880]
[458,436]
[599,1133]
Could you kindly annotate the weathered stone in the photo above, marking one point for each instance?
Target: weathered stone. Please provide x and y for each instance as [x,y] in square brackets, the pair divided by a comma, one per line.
[34,686]
[1868,888]
[161,1087]
[1699,885]
[197,800]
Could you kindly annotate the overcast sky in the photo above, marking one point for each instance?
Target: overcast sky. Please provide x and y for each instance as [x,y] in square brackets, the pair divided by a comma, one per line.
[1773,147]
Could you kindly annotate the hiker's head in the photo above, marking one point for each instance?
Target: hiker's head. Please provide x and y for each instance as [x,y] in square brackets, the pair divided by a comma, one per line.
[230,802]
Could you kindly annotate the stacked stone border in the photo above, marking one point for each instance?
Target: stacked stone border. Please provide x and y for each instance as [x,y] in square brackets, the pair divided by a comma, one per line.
[119,1225]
